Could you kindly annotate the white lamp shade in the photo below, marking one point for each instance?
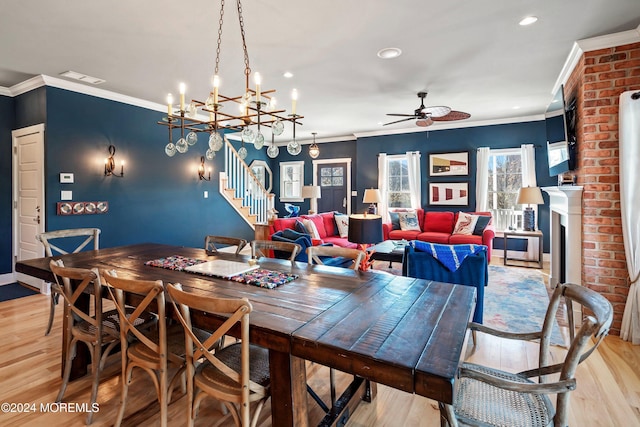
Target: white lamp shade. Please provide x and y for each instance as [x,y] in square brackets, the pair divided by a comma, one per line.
[311,192]
[371,195]
[530,196]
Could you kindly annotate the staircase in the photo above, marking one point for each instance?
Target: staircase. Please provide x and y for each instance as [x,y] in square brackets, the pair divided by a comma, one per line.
[242,189]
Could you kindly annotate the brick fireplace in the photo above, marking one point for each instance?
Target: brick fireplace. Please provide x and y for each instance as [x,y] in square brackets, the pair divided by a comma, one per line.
[597,81]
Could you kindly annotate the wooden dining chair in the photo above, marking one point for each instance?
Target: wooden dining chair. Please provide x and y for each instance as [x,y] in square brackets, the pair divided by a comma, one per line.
[315,252]
[270,249]
[490,397]
[154,353]
[71,242]
[236,375]
[99,332]
[211,241]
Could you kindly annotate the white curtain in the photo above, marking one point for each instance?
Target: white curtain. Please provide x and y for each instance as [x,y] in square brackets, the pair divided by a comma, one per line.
[482,179]
[383,187]
[413,170]
[630,208]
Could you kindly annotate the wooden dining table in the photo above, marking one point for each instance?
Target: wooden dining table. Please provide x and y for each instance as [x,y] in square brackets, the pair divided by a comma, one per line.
[403,332]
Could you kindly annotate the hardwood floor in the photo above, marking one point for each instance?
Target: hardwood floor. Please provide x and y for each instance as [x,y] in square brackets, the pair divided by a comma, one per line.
[608,392]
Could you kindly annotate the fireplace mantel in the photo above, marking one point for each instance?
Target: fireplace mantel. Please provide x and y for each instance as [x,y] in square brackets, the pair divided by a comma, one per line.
[566,199]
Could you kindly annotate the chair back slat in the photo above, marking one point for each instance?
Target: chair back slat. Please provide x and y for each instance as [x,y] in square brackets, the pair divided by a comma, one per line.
[92,235]
[210,243]
[315,252]
[264,248]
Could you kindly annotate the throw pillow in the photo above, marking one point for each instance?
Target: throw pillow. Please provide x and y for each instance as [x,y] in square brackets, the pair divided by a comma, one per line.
[342,222]
[409,221]
[395,220]
[299,227]
[466,223]
[311,228]
[481,224]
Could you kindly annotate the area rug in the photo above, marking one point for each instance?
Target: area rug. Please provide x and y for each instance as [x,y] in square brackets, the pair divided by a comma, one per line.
[13,291]
[516,300]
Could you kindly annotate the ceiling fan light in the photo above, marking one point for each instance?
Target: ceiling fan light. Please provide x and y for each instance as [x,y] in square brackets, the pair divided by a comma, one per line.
[424,122]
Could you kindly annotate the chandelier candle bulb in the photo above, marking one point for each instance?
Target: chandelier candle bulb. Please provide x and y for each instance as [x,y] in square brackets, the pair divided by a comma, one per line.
[183,89]
[258,81]
[169,104]
[216,84]
[122,168]
[294,101]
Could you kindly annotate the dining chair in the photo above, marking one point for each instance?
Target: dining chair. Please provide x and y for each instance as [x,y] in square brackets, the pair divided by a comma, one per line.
[237,374]
[490,397]
[72,242]
[270,249]
[99,332]
[314,254]
[155,352]
[210,243]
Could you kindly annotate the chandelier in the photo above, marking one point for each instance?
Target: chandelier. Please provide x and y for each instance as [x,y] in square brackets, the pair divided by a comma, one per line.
[246,113]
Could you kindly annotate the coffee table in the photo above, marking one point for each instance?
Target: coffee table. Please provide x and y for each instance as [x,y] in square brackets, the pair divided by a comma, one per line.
[389,250]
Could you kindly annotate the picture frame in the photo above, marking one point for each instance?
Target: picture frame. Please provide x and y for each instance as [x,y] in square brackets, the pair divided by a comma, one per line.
[449,193]
[449,164]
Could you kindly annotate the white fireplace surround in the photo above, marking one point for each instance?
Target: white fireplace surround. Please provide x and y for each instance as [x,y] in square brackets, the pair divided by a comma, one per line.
[565,206]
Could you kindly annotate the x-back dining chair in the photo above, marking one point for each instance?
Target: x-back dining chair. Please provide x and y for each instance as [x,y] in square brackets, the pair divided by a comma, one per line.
[153,352]
[490,397]
[210,242]
[52,242]
[264,248]
[95,331]
[315,252]
[237,374]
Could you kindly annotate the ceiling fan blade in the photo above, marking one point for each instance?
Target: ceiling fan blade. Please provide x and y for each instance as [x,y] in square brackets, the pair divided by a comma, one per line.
[437,111]
[401,115]
[398,121]
[453,115]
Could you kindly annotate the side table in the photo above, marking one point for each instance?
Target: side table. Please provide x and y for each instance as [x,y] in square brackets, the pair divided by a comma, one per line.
[523,233]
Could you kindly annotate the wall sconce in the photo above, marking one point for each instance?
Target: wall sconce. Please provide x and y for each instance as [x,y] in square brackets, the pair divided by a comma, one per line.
[201,175]
[110,164]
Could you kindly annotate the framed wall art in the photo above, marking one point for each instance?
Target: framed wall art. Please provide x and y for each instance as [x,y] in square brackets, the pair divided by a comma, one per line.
[449,193]
[449,164]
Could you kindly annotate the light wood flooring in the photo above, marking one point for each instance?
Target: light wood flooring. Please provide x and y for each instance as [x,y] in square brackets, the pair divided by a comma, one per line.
[608,392]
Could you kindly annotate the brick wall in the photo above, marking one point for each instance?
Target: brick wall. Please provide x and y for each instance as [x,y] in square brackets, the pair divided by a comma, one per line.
[597,82]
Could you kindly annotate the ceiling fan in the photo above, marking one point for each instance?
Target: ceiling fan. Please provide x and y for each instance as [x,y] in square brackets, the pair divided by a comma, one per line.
[425,116]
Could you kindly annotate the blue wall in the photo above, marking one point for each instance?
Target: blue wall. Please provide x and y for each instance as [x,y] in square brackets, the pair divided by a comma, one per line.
[7,124]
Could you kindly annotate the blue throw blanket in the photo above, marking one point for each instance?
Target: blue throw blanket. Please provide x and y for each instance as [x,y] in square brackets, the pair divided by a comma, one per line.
[451,256]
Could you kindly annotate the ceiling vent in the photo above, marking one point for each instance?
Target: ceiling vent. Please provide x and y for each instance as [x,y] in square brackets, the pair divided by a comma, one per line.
[82,77]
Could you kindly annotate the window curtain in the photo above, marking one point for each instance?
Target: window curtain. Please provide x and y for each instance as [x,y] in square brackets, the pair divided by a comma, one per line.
[383,187]
[413,170]
[482,179]
[630,210]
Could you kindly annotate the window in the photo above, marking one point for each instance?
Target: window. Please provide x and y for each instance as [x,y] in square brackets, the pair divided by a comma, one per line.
[505,180]
[291,176]
[398,184]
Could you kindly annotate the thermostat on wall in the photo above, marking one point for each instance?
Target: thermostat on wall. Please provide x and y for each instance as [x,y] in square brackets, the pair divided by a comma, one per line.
[66,178]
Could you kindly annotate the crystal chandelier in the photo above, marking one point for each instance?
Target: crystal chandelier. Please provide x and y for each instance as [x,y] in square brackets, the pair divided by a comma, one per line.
[255,107]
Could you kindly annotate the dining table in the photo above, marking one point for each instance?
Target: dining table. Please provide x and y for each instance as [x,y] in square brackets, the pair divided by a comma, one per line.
[402,332]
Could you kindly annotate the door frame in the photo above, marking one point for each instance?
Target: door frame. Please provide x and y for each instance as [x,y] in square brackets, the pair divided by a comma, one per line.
[346,160]
[15,135]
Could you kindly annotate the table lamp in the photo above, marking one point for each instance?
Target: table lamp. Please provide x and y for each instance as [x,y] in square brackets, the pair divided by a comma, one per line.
[311,192]
[365,229]
[529,196]
[372,195]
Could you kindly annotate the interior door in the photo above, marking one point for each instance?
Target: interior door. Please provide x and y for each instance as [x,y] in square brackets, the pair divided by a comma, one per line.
[28,179]
[334,181]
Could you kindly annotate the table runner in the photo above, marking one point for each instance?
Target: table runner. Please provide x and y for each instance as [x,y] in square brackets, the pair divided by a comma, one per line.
[260,277]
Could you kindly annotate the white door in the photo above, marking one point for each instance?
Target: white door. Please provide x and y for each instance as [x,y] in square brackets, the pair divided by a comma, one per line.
[28,196]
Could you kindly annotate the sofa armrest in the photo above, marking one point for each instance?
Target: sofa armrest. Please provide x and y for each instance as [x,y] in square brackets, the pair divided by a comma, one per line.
[386,228]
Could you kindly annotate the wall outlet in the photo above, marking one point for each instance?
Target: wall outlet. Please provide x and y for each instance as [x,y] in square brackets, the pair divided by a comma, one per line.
[66,178]
[66,195]
[206,194]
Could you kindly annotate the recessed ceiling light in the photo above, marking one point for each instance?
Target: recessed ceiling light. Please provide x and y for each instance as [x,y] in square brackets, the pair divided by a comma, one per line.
[528,20]
[516,107]
[389,53]
[287,74]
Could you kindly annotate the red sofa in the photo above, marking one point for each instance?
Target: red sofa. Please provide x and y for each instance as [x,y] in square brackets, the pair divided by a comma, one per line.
[324,222]
[437,227]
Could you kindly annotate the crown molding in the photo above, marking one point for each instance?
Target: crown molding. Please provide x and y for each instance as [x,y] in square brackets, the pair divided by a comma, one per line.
[594,43]
[5,91]
[453,125]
